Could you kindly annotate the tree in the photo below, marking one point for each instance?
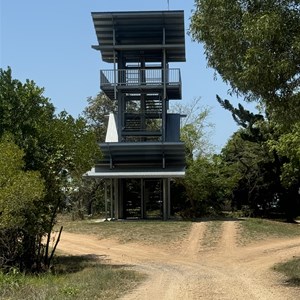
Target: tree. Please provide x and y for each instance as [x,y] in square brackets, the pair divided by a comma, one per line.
[245,119]
[20,195]
[90,196]
[288,145]
[209,183]
[255,167]
[195,188]
[96,114]
[60,148]
[257,150]
[69,150]
[255,47]
[195,128]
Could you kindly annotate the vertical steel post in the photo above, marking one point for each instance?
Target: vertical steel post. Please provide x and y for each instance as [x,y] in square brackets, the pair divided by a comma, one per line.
[142,198]
[116,202]
[164,108]
[115,70]
[105,197]
[165,199]
[164,64]
[111,199]
[169,197]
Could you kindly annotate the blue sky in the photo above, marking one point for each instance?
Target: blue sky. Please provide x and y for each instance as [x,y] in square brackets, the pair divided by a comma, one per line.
[50,43]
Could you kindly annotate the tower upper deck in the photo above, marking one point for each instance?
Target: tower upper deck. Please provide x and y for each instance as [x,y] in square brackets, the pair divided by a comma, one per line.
[140,33]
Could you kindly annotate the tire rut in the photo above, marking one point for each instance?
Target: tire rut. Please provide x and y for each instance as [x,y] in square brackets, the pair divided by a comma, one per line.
[192,246]
[227,271]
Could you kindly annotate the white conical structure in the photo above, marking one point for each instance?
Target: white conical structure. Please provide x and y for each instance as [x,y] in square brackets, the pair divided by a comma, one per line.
[112,132]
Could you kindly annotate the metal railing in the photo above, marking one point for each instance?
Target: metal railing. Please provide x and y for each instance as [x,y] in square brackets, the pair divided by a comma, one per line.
[139,77]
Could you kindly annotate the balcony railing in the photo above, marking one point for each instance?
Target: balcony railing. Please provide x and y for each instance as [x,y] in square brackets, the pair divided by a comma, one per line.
[140,77]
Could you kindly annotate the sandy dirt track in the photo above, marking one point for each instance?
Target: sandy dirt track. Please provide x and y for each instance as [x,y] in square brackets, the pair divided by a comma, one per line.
[192,270]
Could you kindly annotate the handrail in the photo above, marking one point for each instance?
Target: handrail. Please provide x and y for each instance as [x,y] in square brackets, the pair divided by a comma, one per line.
[137,77]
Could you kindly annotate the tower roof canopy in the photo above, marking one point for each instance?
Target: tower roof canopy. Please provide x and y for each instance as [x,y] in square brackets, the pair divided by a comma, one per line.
[140,33]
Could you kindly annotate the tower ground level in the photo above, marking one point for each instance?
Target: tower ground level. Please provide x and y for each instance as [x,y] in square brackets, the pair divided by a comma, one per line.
[137,198]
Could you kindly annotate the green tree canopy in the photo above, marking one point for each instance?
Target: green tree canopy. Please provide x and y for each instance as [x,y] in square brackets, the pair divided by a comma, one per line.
[288,145]
[209,183]
[21,194]
[60,148]
[20,191]
[255,47]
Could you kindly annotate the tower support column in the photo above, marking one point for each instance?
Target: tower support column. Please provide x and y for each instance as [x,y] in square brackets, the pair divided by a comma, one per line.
[166,199]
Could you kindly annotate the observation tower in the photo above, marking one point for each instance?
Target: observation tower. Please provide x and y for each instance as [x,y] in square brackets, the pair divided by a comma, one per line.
[142,151]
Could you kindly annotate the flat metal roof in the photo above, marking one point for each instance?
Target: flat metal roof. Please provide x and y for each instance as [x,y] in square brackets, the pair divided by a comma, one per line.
[141,31]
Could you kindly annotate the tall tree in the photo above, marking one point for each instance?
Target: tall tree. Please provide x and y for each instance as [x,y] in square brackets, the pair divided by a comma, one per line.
[256,169]
[255,47]
[199,193]
[60,148]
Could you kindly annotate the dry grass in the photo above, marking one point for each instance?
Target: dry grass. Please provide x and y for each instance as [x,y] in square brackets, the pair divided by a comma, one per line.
[159,232]
[252,230]
[74,277]
[291,270]
[146,232]
[212,233]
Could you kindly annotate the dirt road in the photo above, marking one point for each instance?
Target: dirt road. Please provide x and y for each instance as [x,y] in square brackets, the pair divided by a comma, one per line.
[193,270]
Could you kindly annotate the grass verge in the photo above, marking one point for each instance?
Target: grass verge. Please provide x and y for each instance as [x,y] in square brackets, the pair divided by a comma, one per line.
[212,233]
[291,270]
[163,233]
[146,232]
[74,277]
[258,229]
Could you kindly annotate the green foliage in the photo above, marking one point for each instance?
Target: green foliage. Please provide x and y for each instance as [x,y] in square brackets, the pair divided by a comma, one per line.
[195,129]
[80,277]
[57,151]
[20,195]
[253,45]
[208,184]
[20,190]
[196,189]
[259,153]
[255,167]
[90,196]
[24,111]
[288,146]
[291,269]
[89,199]
[96,114]
[246,119]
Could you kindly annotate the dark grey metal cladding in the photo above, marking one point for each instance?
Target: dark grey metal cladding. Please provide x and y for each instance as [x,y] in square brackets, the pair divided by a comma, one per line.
[136,32]
[143,156]
[173,128]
